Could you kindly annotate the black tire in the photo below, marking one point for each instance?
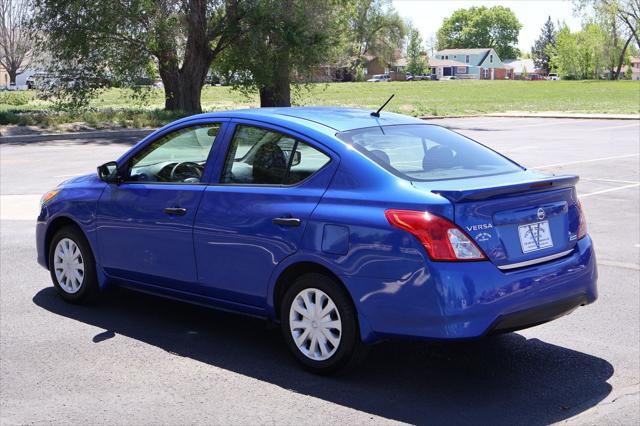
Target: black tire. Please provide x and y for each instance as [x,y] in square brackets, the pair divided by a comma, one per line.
[89,290]
[350,350]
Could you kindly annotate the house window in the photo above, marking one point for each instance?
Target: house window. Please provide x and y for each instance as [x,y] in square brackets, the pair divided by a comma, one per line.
[446,57]
[491,58]
[455,56]
[365,70]
[466,59]
[485,73]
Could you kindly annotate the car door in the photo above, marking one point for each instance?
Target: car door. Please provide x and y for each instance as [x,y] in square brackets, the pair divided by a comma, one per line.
[145,223]
[270,182]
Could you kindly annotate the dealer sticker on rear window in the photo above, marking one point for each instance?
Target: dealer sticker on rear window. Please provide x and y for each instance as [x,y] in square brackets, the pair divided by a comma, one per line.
[535,236]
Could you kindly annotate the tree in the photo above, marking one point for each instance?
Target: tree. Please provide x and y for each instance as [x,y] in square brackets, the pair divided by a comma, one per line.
[15,37]
[90,43]
[374,29]
[283,42]
[540,46]
[621,17]
[627,11]
[479,27]
[580,55]
[416,63]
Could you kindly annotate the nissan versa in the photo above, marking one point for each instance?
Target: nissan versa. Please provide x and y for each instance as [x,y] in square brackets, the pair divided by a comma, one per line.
[346,227]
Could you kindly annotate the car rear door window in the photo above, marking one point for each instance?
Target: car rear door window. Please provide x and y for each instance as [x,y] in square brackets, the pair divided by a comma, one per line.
[259,156]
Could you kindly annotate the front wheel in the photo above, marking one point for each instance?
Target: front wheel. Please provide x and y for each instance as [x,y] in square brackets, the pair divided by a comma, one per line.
[72,266]
[320,325]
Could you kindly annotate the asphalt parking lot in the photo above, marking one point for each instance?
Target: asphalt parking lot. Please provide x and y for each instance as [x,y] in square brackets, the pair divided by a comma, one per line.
[137,359]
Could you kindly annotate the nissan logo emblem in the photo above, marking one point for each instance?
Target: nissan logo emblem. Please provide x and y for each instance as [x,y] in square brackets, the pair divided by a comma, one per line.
[541,213]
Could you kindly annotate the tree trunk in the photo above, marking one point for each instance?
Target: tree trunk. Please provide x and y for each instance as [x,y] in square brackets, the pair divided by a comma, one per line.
[12,76]
[621,58]
[183,85]
[278,94]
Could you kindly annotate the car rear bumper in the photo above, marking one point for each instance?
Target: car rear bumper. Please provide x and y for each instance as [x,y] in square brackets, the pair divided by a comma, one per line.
[469,300]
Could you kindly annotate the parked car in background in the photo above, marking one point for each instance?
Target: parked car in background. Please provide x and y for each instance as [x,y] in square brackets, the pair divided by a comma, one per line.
[377,78]
[553,76]
[418,77]
[40,79]
[344,226]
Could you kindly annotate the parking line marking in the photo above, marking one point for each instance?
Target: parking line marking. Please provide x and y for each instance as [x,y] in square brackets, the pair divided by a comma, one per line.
[625,265]
[609,180]
[622,126]
[586,161]
[546,124]
[604,191]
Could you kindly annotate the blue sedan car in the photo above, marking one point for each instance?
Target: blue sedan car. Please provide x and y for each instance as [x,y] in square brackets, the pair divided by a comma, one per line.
[345,227]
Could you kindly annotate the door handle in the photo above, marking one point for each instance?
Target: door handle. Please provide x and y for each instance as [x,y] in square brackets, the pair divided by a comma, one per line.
[175,211]
[286,221]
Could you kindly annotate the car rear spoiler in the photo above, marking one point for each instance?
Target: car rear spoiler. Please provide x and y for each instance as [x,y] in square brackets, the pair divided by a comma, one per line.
[534,185]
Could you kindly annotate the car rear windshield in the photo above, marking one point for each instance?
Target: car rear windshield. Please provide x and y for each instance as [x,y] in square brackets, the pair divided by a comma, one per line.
[426,152]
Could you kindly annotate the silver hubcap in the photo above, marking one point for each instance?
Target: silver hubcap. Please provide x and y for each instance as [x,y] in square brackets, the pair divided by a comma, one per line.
[68,265]
[315,324]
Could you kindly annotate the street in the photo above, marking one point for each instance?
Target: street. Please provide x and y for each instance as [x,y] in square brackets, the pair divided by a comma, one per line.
[138,359]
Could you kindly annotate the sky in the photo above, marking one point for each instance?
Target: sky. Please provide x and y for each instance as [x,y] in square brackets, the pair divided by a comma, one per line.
[427,15]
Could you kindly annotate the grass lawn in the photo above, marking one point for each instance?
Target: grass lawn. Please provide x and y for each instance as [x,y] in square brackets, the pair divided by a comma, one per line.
[116,107]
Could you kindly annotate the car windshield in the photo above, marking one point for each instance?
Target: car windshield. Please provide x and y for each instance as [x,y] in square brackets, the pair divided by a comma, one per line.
[426,152]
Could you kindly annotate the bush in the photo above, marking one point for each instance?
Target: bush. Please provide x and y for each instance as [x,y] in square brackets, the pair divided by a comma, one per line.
[14,98]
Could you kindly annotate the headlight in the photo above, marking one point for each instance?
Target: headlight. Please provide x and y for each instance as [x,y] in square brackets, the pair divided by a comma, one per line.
[48,197]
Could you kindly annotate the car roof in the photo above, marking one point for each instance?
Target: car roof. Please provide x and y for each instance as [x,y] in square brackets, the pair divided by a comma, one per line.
[329,119]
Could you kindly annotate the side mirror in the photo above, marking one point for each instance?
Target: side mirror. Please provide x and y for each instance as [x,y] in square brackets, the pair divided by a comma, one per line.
[297,158]
[108,172]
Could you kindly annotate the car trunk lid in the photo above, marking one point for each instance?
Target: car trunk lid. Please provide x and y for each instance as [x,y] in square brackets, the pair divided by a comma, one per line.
[514,218]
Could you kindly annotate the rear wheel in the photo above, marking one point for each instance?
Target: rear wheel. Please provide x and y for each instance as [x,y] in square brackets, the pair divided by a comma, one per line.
[320,325]
[72,266]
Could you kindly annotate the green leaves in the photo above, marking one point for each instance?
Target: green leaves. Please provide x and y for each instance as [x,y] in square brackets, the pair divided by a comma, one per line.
[416,63]
[479,27]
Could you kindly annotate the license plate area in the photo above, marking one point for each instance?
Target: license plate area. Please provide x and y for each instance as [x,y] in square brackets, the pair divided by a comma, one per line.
[535,236]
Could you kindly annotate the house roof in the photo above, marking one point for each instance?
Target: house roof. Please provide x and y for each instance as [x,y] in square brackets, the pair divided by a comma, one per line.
[433,62]
[518,65]
[463,51]
[400,62]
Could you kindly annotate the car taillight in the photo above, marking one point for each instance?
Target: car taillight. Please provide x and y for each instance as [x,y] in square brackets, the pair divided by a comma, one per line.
[582,221]
[442,239]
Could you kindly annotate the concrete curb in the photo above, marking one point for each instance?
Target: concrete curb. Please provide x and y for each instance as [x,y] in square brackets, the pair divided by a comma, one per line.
[98,134]
[569,116]
[75,135]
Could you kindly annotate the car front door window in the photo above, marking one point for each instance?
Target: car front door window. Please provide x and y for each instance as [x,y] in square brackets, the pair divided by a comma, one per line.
[178,157]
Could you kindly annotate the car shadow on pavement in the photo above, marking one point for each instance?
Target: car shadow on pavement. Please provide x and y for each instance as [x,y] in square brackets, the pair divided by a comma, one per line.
[502,380]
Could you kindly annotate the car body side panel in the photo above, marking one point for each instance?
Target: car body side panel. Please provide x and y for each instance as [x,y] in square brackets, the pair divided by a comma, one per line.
[76,201]
[236,243]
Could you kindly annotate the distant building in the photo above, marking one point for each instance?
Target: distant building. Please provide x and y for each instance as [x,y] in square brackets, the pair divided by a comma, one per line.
[524,69]
[475,64]
[4,77]
[21,79]
[395,69]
